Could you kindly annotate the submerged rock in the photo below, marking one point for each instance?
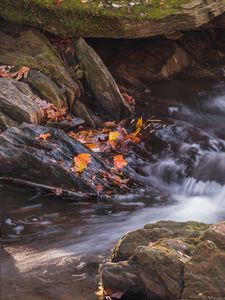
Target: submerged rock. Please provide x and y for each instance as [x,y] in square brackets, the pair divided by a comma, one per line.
[169,260]
[17,105]
[127,19]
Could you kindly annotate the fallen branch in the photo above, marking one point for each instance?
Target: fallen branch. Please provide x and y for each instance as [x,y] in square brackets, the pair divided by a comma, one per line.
[56,191]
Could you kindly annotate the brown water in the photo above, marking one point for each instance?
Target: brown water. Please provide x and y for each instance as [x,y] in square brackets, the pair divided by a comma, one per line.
[52,247]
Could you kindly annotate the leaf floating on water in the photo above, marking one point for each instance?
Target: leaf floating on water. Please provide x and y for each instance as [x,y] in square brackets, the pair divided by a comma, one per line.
[81,161]
[44,136]
[119,162]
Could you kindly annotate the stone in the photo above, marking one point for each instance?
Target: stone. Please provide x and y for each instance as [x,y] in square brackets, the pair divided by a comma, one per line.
[204,274]
[46,88]
[23,46]
[24,155]
[169,260]
[113,19]
[100,82]
[17,105]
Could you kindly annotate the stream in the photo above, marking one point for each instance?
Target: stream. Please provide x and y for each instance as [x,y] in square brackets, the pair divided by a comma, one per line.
[52,247]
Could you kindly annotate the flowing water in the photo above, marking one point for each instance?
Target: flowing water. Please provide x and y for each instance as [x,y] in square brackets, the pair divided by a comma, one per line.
[52,247]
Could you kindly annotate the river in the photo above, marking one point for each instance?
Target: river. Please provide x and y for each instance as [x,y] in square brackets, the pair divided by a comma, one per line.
[52,247]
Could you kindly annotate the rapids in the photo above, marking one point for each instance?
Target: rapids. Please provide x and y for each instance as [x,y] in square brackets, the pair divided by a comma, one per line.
[52,248]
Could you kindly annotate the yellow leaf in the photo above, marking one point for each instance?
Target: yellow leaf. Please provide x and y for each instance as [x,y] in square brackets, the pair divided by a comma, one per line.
[113,138]
[81,162]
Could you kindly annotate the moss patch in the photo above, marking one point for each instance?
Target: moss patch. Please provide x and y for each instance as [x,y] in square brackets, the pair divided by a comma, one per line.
[88,19]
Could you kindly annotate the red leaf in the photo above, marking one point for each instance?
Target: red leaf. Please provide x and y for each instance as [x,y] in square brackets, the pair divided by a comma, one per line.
[119,162]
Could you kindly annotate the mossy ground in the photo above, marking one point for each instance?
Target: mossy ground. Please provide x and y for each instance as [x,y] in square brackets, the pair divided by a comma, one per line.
[80,18]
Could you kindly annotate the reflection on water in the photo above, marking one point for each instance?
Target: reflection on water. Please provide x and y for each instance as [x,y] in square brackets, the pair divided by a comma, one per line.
[52,247]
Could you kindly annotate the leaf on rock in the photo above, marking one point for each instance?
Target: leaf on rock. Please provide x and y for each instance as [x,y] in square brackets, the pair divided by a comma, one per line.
[119,162]
[44,136]
[113,138]
[81,161]
[22,73]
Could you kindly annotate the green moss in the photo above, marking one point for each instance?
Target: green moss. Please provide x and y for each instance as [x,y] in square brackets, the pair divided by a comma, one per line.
[88,19]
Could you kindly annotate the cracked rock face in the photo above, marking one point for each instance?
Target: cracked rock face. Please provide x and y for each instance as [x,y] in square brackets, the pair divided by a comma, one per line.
[169,260]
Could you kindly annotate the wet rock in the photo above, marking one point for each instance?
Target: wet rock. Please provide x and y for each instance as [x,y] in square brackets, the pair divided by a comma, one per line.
[25,156]
[22,46]
[169,260]
[67,125]
[211,168]
[113,19]
[99,80]
[17,105]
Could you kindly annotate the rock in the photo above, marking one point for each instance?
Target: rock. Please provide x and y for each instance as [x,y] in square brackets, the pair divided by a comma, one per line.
[46,88]
[204,273]
[169,260]
[154,58]
[22,46]
[24,155]
[99,80]
[211,168]
[113,19]
[17,105]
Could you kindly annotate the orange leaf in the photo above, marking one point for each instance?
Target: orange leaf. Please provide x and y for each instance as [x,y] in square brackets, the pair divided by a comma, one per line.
[44,136]
[119,162]
[22,73]
[81,162]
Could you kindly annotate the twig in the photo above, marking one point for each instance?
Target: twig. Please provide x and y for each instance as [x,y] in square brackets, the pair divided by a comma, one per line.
[56,191]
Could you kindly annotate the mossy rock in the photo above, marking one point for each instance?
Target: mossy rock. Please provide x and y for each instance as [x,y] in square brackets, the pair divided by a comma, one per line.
[169,260]
[106,18]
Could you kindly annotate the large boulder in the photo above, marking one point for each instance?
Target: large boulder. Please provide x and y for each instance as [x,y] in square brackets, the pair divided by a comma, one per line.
[112,19]
[100,81]
[26,154]
[48,75]
[169,260]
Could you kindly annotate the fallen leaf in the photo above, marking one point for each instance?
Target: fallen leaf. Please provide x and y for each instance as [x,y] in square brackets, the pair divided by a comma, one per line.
[44,136]
[58,2]
[22,73]
[58,191]
[4,73]
[81,162]
[99,188]
[119,162]
[113,138]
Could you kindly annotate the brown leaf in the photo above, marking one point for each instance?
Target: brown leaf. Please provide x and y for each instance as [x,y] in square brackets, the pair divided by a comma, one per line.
[58,2]
[44,136]
[81,162]
[119,162]
[22,73]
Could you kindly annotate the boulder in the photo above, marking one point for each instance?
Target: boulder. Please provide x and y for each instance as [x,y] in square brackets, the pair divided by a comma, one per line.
[49,76]
[17,105]
[100,82]
[169,260]
[24,154]
[115,19]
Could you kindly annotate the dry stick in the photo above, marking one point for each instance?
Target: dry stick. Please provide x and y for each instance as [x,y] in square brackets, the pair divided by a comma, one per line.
[53,190]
